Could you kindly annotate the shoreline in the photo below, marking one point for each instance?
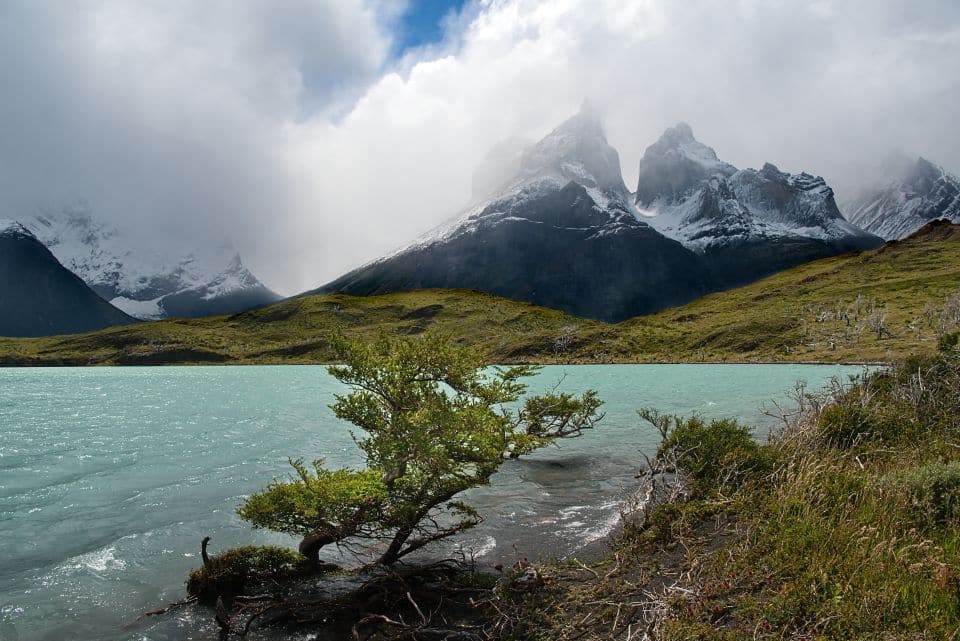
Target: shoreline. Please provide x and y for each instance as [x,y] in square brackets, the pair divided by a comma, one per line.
[503,364]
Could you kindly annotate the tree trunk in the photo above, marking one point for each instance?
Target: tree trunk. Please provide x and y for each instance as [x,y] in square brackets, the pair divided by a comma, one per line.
[393,552]
[312,542]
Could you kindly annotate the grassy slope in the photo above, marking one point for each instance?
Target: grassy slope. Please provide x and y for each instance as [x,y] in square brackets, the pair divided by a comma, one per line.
[295,331]
[849,530]
[809,313]
[798,315]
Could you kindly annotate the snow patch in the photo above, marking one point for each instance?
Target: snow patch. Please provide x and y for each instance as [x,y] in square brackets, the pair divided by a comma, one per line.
[12,227]
[142,309]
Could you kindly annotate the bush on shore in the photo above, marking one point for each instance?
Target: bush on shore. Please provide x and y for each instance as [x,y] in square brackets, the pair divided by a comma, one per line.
[853,533]
[230,573]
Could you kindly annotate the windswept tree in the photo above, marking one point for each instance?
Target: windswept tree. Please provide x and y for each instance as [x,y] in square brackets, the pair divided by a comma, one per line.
[433,421]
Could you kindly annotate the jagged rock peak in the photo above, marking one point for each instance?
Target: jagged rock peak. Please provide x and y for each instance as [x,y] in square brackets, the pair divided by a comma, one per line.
[679,139]
[13,228]
[770,170]
[802,181]
[675,165]
[909,194]
[576,151]
[681,133]
[924,174]
[919,174]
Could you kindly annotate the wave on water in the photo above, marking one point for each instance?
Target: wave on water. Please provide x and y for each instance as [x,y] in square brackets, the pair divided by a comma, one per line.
[99,561]
[479,549]
[589,523]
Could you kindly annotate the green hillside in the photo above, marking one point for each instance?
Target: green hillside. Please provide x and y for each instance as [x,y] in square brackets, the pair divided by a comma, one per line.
[871,306]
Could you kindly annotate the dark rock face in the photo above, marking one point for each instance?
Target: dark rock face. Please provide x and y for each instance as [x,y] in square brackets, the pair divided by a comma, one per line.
[39,297]
[676,165]
[557,250]
[746,223]
[194,303]
[561,233]
[911,195]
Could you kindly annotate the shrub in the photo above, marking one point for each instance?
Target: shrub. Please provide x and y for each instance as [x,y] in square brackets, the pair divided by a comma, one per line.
[847,425]
[949,342]
[717,456]
[932,490]
[230,573]
[433,422]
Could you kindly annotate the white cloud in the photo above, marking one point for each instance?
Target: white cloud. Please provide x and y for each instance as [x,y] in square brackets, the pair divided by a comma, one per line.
[287,121]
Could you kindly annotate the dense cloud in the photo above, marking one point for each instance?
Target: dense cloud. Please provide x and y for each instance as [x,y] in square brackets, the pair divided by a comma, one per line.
[293,126]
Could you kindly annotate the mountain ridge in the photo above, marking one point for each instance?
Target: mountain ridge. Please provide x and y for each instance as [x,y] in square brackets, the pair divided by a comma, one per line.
[822,311]
[909,194]
[735,225]
[144,279]
[561,233]
[39,296]
[747,223]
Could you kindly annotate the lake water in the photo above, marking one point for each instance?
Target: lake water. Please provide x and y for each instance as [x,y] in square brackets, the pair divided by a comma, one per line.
[109,477]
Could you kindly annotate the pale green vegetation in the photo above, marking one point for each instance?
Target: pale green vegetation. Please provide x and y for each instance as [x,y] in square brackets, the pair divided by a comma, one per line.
[867,307]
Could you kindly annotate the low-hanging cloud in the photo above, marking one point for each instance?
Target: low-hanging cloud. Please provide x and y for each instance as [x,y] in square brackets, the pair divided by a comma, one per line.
[292,127]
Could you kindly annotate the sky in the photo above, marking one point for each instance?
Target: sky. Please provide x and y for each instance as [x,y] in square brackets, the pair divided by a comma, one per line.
[424,23]
[320,134]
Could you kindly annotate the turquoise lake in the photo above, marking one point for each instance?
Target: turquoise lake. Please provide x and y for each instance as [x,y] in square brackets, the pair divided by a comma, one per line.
[110,477]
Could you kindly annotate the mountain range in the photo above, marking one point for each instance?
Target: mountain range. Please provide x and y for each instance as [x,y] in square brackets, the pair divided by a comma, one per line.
[551,223]
[143,278]
[565,232]
[561,233]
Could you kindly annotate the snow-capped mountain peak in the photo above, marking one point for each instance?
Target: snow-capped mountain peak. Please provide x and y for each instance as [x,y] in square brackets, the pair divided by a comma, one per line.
[687,193]
[909,195]
[143,277]
[565,232]
[675,165]
[575,151]
[562,232]
[680,141]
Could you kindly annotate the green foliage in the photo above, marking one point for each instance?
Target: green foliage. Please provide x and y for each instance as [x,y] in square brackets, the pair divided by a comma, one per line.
[432,421]
[844,426]
[311,496]
[918,398]
[949,342]
[932,491]
[858,543]
[718,455]
[231,572]
[849,543]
